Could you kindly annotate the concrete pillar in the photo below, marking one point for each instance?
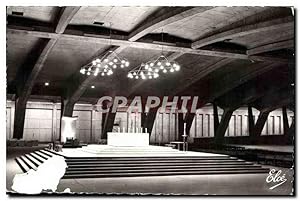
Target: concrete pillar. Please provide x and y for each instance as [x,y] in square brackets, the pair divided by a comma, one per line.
[261,120]
[216,117]
[291,133]
[251,123]
[150,119]
[54,113]
[180,126]
[108,123]
[189,117]
[219,135]
[143,121]
[20,110]
[68,108]
[285,121]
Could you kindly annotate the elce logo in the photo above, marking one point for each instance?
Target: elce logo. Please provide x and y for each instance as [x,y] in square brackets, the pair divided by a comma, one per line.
[277,179]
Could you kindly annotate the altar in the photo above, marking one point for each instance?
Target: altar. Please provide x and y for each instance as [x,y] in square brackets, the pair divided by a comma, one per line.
[127,139]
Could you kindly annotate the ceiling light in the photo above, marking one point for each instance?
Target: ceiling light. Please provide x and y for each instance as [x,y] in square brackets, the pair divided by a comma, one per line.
[162,63]
[92,86]
[46,83]
[141,72]
[110,60]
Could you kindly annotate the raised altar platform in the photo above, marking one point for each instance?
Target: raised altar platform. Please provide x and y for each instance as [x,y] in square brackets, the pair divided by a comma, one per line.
[128,139]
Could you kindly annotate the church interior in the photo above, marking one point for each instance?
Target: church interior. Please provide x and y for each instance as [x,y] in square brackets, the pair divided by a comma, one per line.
[83,83]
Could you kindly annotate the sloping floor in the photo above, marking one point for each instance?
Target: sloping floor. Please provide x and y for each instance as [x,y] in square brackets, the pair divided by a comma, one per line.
[221,184]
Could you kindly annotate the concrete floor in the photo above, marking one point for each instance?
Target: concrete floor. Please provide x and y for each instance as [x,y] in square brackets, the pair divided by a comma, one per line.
[243,184]
[247,184]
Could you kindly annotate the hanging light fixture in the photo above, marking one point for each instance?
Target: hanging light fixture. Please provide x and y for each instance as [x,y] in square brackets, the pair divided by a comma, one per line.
[104,66]
[140,72]
[162,64]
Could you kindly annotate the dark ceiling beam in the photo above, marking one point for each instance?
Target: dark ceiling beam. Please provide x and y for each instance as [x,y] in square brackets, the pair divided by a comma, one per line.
[271,47]
[275,100]
[140,45]
[199,74]
[272,59]
[65,18]
[248,93]
[118,42]
[27,81]
[249,74]
[281,23]
[163,17]
[153,22]
[28,85]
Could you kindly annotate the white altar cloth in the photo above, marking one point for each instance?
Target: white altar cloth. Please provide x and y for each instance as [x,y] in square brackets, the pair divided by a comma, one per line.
[127,139]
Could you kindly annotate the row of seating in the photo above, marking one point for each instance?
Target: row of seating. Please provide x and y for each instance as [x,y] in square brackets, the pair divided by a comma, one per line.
[21,143]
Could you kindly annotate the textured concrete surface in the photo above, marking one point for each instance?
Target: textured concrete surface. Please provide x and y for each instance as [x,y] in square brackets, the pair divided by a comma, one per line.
[247,184]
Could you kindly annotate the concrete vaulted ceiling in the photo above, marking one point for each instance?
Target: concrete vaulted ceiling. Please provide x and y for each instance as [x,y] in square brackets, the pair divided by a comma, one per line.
[218,48]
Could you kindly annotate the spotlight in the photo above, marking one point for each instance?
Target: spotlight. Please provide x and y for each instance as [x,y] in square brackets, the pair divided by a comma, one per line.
[46,83]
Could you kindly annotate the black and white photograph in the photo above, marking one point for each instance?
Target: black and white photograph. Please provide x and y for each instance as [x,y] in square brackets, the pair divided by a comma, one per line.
[150,100]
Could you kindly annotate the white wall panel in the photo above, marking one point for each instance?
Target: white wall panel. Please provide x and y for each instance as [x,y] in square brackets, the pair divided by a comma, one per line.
[173,128]
[8,123]
[42,120]
[83,125]
[38,125]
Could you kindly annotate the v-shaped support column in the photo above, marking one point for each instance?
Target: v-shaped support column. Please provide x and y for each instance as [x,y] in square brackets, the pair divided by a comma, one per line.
[219,135]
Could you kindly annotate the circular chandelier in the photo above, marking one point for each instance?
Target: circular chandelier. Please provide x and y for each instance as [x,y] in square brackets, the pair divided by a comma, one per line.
[104,66]
[151,69]
[162,64]
[142,72]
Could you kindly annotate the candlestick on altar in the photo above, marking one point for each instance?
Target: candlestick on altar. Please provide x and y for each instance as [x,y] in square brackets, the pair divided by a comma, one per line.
[118,129]
[146,130]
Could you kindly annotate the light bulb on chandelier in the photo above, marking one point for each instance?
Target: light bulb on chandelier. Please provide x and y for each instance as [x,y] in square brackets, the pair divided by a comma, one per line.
[141,73]
[105,65]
